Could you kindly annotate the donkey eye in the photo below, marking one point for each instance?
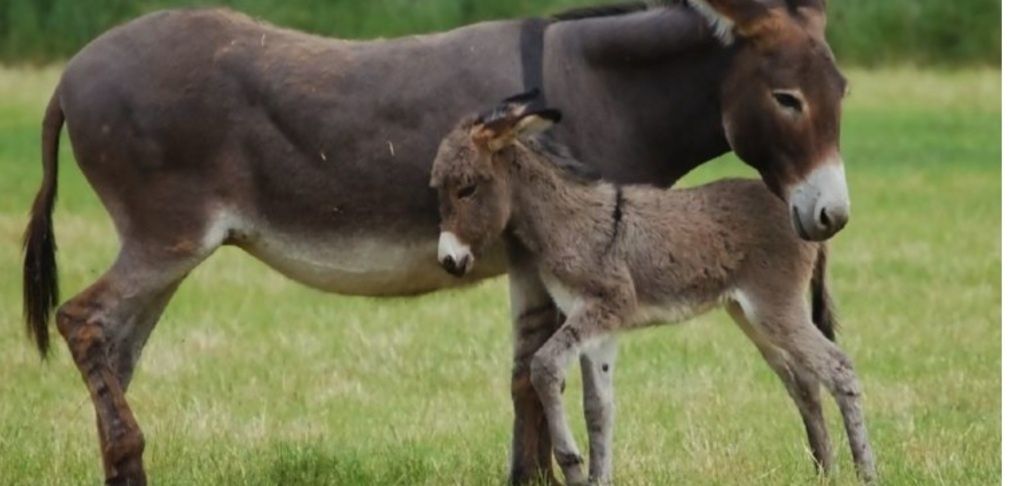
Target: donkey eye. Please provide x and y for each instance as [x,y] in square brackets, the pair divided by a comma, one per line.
[788,100]
[466,191]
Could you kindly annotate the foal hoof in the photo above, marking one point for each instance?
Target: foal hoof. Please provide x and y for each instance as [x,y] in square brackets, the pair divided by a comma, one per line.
[573,472]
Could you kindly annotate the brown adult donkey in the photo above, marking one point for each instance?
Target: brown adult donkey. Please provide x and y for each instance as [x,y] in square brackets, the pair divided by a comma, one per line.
[617,257]
[202,128]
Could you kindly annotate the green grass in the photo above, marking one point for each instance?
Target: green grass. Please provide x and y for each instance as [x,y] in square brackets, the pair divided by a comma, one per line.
[870,32]
[252,379]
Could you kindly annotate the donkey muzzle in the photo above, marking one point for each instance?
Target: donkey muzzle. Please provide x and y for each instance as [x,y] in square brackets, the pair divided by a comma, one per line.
[454,255]
[820,204]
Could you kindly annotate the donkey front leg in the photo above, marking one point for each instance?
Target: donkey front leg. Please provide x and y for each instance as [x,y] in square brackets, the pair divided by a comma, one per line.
[547,372]
[597,365]
[535,319]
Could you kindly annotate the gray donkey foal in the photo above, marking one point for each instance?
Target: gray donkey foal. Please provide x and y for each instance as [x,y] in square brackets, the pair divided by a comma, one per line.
[616,258]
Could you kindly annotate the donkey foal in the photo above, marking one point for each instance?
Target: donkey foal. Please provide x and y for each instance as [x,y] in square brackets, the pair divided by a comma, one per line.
[615,258]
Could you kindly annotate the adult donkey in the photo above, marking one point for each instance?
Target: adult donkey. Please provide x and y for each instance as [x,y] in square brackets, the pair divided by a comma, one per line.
[202,128]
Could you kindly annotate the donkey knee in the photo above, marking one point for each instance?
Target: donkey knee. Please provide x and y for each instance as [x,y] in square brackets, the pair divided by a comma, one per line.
[80,330]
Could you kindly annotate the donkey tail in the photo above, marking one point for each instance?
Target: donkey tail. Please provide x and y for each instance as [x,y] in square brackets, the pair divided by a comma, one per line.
[41,290]
[822,309]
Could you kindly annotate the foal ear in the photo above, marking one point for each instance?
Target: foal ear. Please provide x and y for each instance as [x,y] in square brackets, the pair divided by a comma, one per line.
[537,121]
[729,18]
[523,98]
[507,122]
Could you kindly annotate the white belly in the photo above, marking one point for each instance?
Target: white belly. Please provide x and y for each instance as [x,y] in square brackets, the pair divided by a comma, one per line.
[568,300]
[670,312]
[360,264]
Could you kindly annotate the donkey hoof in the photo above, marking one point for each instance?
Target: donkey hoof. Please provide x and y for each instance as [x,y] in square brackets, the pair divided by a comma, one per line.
[128,473]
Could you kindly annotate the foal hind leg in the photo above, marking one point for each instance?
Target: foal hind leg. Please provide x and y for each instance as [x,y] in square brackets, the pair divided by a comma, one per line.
[802,386]
[789,327]
[597,366]
[105,327]
[835,369]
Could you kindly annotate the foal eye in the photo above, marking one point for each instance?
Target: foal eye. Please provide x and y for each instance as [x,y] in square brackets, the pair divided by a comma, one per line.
[466,191]
[788,100]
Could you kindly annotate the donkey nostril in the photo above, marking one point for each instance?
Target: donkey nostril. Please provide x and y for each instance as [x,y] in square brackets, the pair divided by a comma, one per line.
[833,218]
[825,218]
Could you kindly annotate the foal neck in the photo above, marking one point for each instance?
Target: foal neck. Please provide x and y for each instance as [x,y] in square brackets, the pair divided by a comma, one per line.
[550,207]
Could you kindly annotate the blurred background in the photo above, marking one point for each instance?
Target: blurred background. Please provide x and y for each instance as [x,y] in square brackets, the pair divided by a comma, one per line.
[252,379]
[866,32]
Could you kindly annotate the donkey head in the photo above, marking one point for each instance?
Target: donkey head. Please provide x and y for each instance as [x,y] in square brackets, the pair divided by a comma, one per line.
[781,102]
[472,178]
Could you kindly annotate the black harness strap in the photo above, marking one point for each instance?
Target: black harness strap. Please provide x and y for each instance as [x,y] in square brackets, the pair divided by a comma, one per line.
[532,58]
[619,201]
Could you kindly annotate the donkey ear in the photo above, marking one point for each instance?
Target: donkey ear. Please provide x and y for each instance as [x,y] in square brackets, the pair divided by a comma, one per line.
[812,14]
[809,5]
[728,18]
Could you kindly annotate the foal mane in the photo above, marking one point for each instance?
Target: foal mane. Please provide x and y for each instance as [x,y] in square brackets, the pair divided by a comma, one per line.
[560,159]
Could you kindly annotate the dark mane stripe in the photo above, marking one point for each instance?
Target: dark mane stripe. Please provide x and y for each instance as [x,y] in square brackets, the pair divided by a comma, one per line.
[601,11]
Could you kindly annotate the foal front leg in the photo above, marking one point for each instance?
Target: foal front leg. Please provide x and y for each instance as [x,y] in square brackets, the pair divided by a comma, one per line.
[597,365]
[547,373]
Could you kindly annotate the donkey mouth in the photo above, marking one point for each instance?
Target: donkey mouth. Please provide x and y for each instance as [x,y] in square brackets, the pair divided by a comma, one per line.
[798,225]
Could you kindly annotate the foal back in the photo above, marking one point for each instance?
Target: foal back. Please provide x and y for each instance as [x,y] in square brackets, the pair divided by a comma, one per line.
[692,246]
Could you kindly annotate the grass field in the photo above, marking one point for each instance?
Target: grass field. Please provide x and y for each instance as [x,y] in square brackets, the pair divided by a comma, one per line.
[273,383]
[868,32]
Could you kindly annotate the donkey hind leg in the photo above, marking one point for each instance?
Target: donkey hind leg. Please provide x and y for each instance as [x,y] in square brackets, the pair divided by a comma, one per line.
[547,373]
[792,330]
[597,365]
[535,319]
[802,386]
[105,327]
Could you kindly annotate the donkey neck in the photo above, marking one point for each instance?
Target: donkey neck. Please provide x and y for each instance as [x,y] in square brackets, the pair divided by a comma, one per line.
[640,92]
[547,204]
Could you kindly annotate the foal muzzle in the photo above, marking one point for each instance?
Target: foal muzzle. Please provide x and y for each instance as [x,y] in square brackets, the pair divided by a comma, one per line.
[455,256]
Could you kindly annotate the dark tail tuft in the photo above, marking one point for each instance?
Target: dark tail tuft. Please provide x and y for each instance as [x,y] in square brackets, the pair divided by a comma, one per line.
[41,284]
[822,309]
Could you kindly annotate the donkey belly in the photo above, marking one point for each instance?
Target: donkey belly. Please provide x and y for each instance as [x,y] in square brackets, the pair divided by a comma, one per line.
[361,264]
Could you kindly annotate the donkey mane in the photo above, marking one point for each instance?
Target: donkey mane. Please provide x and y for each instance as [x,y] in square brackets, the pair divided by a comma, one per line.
[610,10]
